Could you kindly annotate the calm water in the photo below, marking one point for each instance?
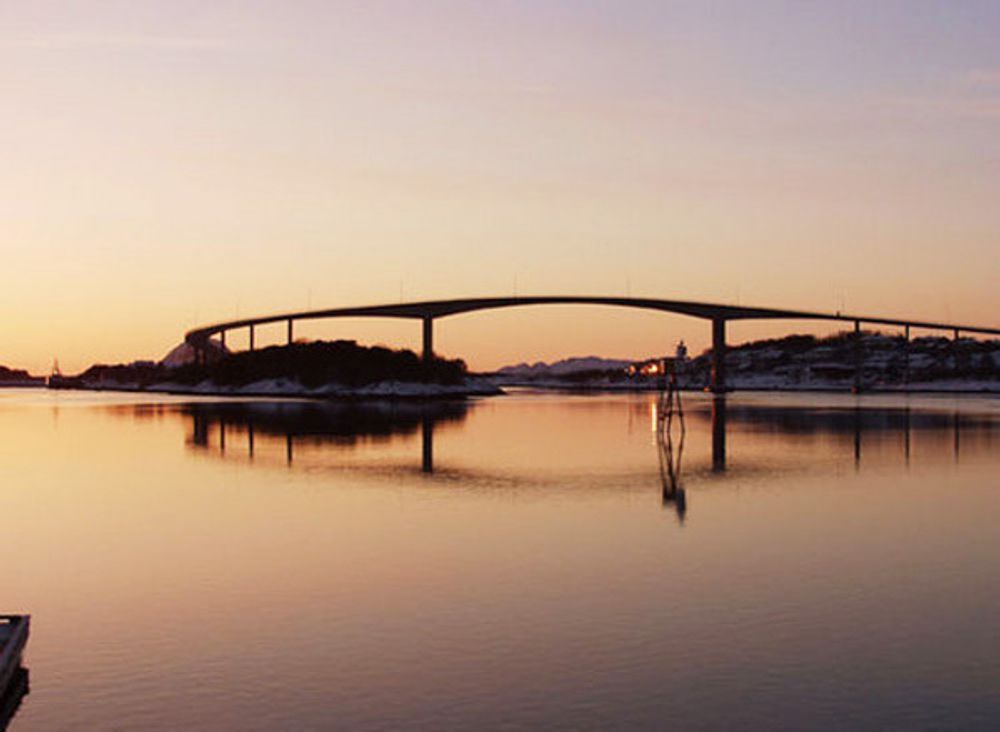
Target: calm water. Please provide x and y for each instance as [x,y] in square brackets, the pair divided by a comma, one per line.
[524,562]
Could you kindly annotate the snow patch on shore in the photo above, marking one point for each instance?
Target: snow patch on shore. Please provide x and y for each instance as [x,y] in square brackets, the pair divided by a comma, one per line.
[282,387]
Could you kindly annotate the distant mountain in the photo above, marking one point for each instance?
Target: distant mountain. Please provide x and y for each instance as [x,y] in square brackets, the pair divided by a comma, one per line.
[565,367]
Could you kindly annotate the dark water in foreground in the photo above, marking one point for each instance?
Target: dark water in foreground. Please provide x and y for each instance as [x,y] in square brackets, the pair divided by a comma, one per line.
[522,562]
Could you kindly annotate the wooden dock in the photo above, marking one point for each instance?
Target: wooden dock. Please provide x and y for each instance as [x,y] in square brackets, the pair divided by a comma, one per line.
[13,639]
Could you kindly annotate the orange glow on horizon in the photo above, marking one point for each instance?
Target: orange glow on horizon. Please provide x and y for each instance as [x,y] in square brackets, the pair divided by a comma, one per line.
[167,169]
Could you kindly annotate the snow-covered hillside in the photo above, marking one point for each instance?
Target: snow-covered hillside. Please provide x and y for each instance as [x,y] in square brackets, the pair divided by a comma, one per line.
[565,367]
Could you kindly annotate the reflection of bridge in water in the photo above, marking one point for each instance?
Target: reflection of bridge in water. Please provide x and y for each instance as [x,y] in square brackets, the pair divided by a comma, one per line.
[855,421]
[236,426]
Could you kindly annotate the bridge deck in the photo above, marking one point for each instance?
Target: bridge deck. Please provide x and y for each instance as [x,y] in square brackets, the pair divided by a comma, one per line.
[432,309]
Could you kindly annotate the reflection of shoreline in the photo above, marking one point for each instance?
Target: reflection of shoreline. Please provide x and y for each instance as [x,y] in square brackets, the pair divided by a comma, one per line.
[237,428]
[794,420]
[855,422]
[334,423]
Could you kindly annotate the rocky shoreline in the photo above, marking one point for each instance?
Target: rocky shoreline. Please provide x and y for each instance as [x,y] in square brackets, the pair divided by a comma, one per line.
[294,389]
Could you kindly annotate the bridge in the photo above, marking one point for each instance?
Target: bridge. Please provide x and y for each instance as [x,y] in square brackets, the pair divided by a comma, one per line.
[719,315]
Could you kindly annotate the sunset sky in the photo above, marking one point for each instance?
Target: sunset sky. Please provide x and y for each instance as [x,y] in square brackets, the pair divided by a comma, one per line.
[171,163]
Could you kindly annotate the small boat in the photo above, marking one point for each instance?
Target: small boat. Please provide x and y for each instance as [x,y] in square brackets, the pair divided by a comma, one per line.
[13,638]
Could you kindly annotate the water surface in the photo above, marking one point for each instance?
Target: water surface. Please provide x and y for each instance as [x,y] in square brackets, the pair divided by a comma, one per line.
[520,562]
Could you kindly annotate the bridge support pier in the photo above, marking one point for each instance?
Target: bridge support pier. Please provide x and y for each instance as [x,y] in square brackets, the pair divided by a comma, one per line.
[858,360]
[251,338]
[906,362]
[956,361]
[428,339]
[718,382]
[291,332]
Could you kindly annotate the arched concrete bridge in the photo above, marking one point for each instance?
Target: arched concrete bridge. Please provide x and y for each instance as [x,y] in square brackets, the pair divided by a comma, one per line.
[428,311]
